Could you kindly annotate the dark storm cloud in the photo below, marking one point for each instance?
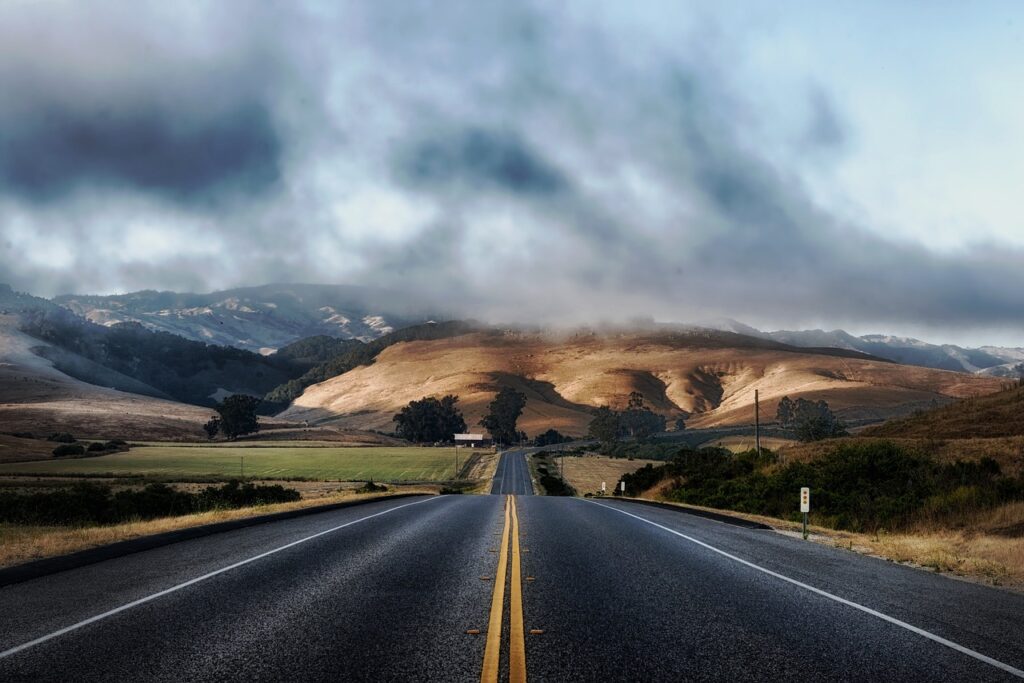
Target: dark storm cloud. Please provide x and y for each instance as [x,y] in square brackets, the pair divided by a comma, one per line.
[184,156]
[566,171]
[478,158]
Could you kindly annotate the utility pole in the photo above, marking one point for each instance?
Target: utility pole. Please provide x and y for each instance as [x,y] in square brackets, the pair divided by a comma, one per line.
[757,421]
[456,475]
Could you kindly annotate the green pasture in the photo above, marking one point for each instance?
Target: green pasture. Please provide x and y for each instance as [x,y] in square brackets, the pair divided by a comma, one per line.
[340,464]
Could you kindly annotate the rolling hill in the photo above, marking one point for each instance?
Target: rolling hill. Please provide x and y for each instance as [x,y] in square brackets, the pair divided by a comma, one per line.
[707,377]
[995,361]
[985,417]
[36,397]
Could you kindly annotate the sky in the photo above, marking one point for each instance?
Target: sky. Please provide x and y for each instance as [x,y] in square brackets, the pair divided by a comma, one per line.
[788,164]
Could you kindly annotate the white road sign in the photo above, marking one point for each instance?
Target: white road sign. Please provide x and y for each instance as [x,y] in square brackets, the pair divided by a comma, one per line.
[469,437]
[805,499]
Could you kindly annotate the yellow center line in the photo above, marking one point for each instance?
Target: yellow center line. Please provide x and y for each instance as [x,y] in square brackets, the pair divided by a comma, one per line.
[517,645]
[492,653]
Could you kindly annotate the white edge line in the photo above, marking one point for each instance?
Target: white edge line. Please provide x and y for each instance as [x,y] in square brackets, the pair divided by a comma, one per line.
[867,610]
[135,603]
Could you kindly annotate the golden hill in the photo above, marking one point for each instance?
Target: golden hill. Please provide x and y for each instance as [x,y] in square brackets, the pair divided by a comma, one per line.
[708,378]
[996,415]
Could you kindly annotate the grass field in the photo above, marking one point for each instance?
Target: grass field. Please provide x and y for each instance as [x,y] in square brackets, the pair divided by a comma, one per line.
[740,444]
[586,474]
[339,464]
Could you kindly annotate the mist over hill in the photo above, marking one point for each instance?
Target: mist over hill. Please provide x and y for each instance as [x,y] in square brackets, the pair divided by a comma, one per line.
[260,318]
[995,361]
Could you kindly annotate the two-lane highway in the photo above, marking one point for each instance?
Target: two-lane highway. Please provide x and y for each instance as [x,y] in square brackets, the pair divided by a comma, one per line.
[505,587]
[513,474]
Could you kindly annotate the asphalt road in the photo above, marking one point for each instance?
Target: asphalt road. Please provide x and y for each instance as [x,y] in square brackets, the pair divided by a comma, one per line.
[387,592]
[513,474]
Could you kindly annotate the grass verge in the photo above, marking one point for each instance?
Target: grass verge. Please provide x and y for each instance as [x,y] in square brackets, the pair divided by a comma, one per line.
[19,544]
[990,551]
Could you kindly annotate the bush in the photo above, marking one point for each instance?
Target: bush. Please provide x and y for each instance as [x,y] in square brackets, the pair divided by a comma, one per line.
[61,437]
[857,487]
[370,487]
[96,446]
[68,449]
[89,503]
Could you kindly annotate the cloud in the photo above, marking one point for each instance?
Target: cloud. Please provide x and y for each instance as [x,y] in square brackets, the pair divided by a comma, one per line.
[479,159]
[55,150]
[538,164]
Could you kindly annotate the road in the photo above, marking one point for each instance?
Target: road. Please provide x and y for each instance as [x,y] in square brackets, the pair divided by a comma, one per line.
[513,474]
[505,587]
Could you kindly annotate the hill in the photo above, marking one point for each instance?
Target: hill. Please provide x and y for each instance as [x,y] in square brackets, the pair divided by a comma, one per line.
[131,357]
[259,319]
[36,397]
[984,417]
[707,377]
[986,360]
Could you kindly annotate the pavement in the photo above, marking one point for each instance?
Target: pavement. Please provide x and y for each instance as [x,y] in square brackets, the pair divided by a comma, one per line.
[508,586]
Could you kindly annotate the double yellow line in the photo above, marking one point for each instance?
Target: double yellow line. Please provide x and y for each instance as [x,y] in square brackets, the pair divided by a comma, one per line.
[517,644]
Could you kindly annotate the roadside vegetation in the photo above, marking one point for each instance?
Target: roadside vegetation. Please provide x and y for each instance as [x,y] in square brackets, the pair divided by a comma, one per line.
[857,487]
[548,477]
[88,503]
[24,542]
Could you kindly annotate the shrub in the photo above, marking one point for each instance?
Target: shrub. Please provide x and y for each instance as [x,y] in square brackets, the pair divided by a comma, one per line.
[96,446]
[858,487]
[370,487]
[61,437]
[89,503]
[68,449]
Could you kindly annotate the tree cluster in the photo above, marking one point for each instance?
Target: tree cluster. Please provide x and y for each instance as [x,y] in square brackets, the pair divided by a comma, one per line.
[551,437]
[430,420]
[503,414]
[809,420]
[637,421]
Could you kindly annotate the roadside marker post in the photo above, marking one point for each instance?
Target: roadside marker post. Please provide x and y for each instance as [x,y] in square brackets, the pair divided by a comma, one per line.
[622,486]
[805,506]
[603,488]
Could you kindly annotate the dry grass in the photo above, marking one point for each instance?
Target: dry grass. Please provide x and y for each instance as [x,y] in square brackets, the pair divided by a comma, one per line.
[1007,451]
[20,544]
[482,470]
[565,377]
[984,552]
[996,415]
[586,473]
[742,444]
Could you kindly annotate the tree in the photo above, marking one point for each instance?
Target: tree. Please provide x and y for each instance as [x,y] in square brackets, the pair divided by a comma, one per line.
[430,420]
[636,401]
[680,424]
[238,415]
[503,413]
[211,427]
[809,420]
[638,420]
[550,438]
[605,426]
